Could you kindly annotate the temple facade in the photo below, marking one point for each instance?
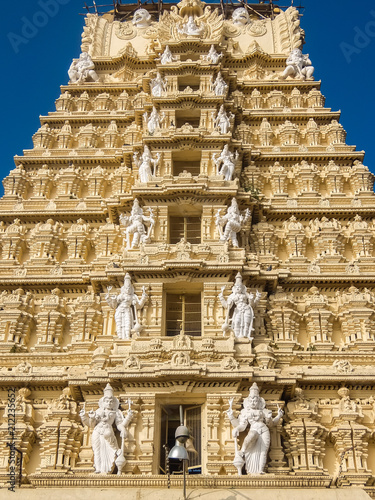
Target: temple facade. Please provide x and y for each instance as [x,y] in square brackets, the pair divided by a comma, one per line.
[189,234]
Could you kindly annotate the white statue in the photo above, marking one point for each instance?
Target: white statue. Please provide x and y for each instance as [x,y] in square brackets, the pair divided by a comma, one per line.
[104,442]
[219,87]
[240,17]
[153,120]
[212,57]
[158,85]
[243,315]
[82,69]
[167,57]
[141,18]
[144,164]
[253,453]
[298,65]
[225,163]
[191,28]
[223,121]
[126,304]
[134,224]
[233,221]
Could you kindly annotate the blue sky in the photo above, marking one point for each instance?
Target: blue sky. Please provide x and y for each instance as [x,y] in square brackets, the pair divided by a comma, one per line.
[340,41]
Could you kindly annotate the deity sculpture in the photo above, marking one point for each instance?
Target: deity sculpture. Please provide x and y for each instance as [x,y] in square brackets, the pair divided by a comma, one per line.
[191,28]
[167,57]
[243,315]
[153,120]
[104,442]
[141,18]
[158,85]
[219,87]
[82,69]
[233,221]
[223,121]
[225,163]
[212,57]
[144,164]
[126,304]
[240,17]
[134,224]
[253,453]
[298,65]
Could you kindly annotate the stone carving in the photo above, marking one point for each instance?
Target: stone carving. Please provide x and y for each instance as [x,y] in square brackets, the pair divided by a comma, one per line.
[253,453]
[104,442]
[233,222]
[298,66]
[342,366]
[134,224]
[126,304]
[153,120]
[223,121]
[219,87]
[212,57]
[191,28]
[243,315]
[144,164]
[141,18]
[225,163]
[240,17]
[82,69]
[158,85]
[167,57]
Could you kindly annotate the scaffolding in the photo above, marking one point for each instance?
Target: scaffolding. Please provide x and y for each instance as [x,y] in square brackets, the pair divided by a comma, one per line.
[122,9]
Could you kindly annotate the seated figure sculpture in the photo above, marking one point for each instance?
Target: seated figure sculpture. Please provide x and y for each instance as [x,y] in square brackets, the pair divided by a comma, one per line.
[243,315]
[225,163]
[134,224]
[153,120]
[126,304]
[298,66]
[82,69]
[219,87]
[158,85]
[253,453]
[167,57]
[104,442]
[144,164]
[222,120]
[233,222]
[191,28]
[213,57]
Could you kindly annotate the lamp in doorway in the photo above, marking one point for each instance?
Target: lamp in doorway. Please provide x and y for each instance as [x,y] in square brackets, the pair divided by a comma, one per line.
[179,452]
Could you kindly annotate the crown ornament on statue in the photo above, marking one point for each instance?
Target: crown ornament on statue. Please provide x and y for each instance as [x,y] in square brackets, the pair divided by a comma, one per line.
[108,391]
[254,390]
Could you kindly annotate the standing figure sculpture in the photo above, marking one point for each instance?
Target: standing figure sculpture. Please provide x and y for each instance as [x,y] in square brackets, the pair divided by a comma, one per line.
[104,442]
[134,224]
[219,87]
[223,121]
[243,315]
[298,65]
[225,163]
[153,120]
[158,85]
[167,57]
[126,304]
[212,57]
[233,222]
[82,69]
[253,453]
[144,164]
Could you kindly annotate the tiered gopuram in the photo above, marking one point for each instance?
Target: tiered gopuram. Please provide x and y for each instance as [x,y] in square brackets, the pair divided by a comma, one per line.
[190,228]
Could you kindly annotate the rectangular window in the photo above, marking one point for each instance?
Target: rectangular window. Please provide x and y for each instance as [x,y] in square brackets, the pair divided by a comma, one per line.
[191,162]
[188,228]
[183,312]
[170,420]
